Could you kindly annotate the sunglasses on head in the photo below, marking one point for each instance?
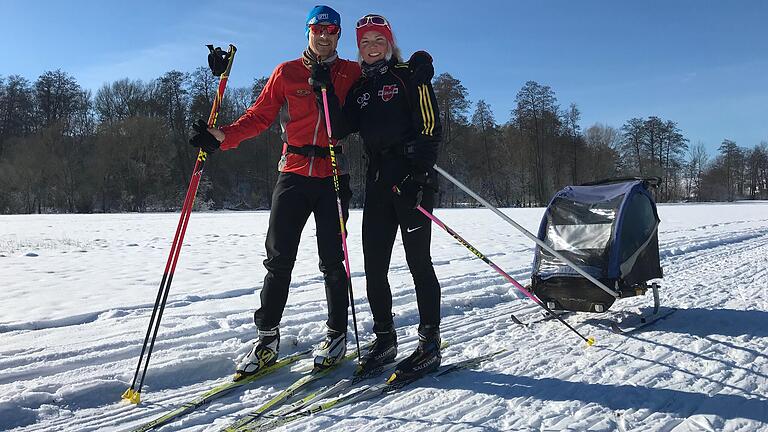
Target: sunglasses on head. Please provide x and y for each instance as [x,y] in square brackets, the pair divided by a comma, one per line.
[330,29]
[372,19]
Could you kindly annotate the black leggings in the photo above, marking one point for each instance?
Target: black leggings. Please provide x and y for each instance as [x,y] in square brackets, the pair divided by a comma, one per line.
[383,214]
[296,197]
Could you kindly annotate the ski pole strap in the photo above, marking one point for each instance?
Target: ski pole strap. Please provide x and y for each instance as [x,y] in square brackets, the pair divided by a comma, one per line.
[313,150]
[218,60]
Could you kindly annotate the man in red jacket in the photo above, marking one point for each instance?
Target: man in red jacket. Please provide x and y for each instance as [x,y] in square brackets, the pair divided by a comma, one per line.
[304,186]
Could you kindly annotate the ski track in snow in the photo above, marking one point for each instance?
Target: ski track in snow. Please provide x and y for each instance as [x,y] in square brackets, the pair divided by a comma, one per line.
[78,293]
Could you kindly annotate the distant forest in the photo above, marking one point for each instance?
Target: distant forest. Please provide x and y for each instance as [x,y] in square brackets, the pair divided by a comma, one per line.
[124,149]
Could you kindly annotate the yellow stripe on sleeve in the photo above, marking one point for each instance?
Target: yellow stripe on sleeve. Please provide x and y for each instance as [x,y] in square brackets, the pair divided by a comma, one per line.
[429,109]
[424,115]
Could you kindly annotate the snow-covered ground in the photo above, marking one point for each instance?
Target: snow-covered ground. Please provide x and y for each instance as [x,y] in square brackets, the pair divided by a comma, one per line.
[76,293]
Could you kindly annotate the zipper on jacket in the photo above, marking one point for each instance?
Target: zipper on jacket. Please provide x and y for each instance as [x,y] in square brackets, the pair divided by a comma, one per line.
[314,141]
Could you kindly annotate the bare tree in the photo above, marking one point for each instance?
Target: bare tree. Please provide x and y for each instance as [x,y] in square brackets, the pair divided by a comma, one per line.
[453,104]
[171,96]
[757,170]
[16,109]
[602,152]
[571,120]
[122,99]
[698,160]
[536,117]
[731,160]
[485,129]
[634,138]
[673,146]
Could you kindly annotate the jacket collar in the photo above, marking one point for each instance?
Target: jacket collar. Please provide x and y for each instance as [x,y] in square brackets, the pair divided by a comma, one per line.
[308,58]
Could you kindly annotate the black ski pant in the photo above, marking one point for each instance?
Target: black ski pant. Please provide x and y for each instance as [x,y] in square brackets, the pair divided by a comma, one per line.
[383,214]
[296,197]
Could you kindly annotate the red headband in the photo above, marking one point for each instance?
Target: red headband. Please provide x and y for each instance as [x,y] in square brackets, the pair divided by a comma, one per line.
[370,23]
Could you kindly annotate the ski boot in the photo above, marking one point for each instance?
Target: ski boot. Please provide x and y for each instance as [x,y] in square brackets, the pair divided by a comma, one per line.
[263,354]
[383,351]
[332,350]
[424,360]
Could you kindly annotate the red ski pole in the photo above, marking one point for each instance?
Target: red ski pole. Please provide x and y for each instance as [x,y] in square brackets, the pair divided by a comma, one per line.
[133,394]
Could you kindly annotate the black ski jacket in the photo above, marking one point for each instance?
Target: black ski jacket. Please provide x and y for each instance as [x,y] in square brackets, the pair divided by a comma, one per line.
[397,117]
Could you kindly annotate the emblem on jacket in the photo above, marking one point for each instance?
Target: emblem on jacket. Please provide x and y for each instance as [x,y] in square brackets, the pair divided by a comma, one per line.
[388,92]
[302,92]
[363,100]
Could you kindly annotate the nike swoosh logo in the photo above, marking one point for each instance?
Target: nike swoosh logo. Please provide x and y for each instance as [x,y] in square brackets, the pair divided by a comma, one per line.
[410,230]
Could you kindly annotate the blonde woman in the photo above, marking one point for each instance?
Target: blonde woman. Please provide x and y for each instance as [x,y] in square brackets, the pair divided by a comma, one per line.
[393,107]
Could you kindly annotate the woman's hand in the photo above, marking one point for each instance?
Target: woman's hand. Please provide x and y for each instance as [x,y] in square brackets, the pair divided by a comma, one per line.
[420,65]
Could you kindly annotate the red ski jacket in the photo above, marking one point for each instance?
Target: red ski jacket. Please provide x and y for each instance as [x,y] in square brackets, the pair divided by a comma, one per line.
[289,94]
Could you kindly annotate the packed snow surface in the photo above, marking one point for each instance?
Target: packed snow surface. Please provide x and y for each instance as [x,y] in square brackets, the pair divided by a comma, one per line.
[76,295]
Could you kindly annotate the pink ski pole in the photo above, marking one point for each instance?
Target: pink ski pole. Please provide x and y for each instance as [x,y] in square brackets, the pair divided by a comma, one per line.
[590,341]
[342,226]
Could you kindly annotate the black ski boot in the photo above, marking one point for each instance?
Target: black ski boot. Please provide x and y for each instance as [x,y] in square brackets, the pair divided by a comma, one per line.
[424,360]
[263,354]
[383,351]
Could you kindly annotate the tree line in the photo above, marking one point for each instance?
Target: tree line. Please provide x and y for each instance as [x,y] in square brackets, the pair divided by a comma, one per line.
[124,148]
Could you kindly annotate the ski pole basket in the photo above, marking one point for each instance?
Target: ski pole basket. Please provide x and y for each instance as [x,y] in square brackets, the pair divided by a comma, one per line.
[609,230]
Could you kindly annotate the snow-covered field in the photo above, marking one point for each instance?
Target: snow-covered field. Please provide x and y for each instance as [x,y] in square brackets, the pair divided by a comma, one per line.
[76,293]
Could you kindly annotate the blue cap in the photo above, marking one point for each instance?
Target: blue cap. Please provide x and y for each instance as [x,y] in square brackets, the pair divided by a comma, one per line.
[320,14]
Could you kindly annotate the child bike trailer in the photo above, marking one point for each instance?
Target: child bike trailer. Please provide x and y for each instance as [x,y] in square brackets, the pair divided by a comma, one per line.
[608,229]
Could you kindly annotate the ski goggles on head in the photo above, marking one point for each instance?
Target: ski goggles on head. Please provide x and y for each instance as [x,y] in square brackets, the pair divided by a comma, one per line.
[331,29]
[372,20]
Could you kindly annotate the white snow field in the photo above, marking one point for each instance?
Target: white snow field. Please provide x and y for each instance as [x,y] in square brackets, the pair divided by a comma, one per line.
[76,294]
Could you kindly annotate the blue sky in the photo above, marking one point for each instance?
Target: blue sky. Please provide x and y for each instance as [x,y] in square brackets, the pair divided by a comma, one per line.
[703,64]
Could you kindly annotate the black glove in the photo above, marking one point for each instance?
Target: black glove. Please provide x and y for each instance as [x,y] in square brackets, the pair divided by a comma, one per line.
[218,60]
[410,190]
[202,138]
[420,65]
[321,77]
[415,159]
